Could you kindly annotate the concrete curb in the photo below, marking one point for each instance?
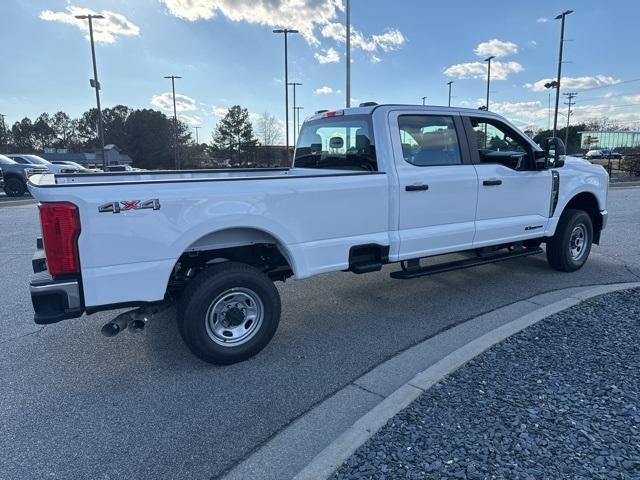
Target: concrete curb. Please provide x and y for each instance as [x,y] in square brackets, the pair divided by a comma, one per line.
[327,461]
[316,443]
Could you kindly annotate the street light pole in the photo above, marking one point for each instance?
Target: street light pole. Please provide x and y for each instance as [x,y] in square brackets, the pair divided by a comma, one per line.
[294,85]
[286,33]
[560,17]
[348,55]
[176,154]
[488,60]
[449,83]
[424,101]
[95,83]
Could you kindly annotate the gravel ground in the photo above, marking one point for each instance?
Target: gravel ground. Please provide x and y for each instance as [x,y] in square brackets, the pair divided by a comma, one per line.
[559,400]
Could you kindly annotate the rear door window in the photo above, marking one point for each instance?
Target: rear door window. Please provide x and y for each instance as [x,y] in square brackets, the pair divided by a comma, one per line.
[429,140]
[337,143]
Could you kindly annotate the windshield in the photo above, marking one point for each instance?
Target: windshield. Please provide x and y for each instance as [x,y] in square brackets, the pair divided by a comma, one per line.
[6,160]
[342,142]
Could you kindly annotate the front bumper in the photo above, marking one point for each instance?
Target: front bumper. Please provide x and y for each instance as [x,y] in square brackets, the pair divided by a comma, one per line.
[53,299]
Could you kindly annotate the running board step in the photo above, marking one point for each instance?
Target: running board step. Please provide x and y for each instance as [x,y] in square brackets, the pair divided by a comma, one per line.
[461,264]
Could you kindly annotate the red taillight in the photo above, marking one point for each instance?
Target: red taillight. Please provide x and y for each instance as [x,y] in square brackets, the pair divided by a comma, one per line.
[60,230]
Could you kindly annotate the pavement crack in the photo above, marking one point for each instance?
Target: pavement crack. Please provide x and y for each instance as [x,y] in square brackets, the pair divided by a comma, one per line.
[13,339]
[368,391]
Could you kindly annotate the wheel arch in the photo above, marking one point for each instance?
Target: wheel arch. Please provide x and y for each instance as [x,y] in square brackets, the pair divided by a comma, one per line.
[587,202]
[250,245]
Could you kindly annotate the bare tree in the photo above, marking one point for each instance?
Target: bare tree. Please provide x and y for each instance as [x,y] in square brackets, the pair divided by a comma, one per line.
[269,130]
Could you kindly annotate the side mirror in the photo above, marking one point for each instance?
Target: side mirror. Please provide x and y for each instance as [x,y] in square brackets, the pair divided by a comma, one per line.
[555,151]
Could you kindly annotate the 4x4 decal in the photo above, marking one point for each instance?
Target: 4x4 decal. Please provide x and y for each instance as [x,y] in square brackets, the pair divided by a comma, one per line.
[123,205]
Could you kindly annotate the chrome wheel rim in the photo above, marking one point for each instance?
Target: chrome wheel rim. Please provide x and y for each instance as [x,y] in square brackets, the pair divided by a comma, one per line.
[234,317]
[578,242]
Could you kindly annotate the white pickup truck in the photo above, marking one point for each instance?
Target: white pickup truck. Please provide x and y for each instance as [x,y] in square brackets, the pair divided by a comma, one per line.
[370,186]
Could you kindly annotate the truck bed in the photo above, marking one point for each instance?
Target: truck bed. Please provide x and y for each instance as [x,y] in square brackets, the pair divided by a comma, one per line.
[170,176]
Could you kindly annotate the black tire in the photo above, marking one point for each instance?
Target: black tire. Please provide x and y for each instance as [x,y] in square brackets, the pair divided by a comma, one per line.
[559,247]
[216,286]
[14,187]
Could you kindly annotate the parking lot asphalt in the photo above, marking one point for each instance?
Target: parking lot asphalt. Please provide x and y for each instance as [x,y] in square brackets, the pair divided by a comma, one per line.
[77,405]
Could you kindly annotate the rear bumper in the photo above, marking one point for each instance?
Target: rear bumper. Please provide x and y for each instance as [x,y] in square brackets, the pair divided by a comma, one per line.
[53,300]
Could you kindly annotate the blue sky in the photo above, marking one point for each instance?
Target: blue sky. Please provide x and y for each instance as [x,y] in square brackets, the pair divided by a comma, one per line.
[403,50]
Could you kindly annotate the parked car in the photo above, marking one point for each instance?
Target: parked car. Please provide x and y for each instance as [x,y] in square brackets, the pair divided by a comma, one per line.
[370,186]
[604,153]
[15,175]
[28,159]
[69,164]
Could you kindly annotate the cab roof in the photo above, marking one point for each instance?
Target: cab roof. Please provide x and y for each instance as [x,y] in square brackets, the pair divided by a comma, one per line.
[368,110]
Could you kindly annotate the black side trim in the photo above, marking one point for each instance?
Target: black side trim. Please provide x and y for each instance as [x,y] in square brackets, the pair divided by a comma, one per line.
[199,180]
[555,192]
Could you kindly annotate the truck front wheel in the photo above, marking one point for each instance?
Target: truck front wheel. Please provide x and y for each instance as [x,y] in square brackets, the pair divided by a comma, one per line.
[228,313]
[569,248]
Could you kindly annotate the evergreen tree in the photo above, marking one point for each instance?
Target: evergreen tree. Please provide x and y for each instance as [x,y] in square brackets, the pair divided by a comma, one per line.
[234,133]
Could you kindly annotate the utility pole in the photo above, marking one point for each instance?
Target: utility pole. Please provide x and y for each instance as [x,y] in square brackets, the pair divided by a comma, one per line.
[298,110]
[294,85]
[348,55]
[176,152]
[488,60]
[549,112]
[286,32]
[560,17]
[424,101]
[196,129]
[570,97]
[449,83]
[5,140]
[94,82]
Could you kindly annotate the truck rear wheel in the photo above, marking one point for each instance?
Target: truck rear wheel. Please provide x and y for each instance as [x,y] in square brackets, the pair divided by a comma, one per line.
[569,248]
[14,187]
[228,313]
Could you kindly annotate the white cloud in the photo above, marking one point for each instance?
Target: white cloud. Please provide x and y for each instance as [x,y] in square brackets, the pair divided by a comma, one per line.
[303,15]
[496,47]
[542,20]
[391,40]
[375,59]
[532,43]
[323,90]
[307,16]
[329,56]
[219,111]
[164,101]
[499,70]
[632,99]
[575,83]
[105,30]
[537,112]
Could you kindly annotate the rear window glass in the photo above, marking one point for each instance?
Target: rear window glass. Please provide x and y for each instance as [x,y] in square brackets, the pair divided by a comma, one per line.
[338,143]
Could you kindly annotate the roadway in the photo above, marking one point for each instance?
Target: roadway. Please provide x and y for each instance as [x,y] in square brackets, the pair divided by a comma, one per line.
[77,405]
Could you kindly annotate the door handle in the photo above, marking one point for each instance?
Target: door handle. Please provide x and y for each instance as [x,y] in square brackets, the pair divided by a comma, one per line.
[491,183]
[416,188]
